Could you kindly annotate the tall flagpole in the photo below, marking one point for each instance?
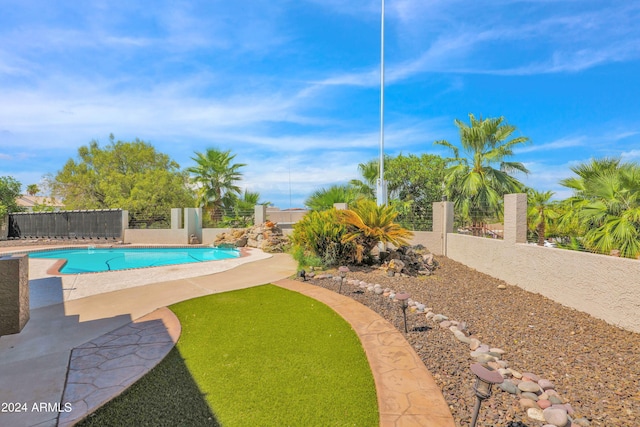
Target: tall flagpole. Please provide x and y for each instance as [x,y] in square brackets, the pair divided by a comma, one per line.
[381,192]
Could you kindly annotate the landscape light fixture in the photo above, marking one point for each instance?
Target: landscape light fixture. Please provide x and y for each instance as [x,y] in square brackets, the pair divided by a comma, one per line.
[404,303]
[485,378]
[342,270]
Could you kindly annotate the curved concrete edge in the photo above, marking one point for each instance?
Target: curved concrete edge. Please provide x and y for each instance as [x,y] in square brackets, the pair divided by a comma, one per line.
[407,393]
[104,367]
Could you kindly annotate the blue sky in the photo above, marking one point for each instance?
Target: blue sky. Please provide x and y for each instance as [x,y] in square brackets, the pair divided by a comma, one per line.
[292,86]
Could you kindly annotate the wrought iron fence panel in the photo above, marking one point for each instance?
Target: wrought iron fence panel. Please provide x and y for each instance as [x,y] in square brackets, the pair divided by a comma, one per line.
[90,224]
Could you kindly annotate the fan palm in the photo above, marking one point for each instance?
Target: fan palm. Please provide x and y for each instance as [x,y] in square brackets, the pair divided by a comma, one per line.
[216,177]
[370,172]
[472,182]
[325,198]
[607,205]
[540,212]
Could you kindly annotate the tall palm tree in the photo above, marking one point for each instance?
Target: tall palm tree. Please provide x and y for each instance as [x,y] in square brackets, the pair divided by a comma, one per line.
[216,178]
[367,185]
[607,205]
[472,182]
[540,212]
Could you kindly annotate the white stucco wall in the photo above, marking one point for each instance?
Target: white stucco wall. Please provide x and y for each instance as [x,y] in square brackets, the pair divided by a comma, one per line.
[605,287]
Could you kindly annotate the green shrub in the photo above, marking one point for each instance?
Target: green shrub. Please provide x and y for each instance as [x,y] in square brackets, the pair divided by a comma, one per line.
[321,233]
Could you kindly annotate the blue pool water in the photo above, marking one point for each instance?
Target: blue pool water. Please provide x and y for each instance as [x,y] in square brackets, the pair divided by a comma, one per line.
[93,260]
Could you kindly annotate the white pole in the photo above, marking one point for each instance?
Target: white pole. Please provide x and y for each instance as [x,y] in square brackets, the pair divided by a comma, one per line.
[381,192]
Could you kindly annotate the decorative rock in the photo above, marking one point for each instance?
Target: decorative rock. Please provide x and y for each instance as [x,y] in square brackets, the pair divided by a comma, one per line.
[445,324]
[378,291]
[569,408]
[583,422]
[555,399]
[392,295]
[494,365]
[483,348]
[497,350]
[503,363]
[474,344]
[527,403]
[421,307]
[508,386]
[555,416]
[544,395]
[530,376]
[370,288]
[529,395]
[502,286]
[430,314]
[545,384]
[544,403]
[504,372]
[535,414]
[461,336]
[439,318]
[529,386]
[515,374]
[484,358]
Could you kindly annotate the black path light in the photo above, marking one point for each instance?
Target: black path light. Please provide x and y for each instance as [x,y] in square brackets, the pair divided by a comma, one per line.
[404,303]
[485,378]
[342,270]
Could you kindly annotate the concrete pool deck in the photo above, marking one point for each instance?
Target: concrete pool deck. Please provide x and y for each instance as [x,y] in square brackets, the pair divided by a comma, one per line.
[34,365]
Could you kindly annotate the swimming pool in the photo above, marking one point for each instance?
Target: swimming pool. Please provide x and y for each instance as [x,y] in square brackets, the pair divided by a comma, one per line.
[95,260]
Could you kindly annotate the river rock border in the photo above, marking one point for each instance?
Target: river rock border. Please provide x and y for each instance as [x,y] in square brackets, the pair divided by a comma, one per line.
[537,395]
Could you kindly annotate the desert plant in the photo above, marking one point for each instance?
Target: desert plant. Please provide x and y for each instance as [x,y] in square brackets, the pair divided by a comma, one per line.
[321,233]
[367,224]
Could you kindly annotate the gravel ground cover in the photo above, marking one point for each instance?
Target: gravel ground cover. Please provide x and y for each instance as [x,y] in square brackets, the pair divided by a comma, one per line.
[595,366]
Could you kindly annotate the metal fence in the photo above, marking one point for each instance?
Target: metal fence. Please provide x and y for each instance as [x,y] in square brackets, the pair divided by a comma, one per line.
[94,224]
[416,218]
[480,222]
[231,218]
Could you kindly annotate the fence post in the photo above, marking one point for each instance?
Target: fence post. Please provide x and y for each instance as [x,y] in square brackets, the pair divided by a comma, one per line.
[442,223]
[260,212]
[14,293]
[176,218]
[193,223]
[515,218]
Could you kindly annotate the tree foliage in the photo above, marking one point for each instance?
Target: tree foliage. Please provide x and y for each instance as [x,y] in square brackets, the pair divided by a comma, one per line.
[605,208]
[9,192]
[325,198]
[216,178]
[473,182]
[127,175]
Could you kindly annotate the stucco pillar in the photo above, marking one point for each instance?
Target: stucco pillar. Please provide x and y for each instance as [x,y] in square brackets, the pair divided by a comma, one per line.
[515,218]
[260,214]
[193,223]
[442,223]
[14,293]
[176,218]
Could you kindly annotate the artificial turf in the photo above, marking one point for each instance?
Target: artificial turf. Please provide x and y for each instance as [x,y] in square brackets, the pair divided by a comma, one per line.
[262,356]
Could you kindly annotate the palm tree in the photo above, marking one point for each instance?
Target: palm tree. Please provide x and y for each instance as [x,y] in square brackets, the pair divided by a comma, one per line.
[216,178]
[325,197]
[369,224]
[540,212]
[607,205]
[369,172]
[474,185]
[33,189]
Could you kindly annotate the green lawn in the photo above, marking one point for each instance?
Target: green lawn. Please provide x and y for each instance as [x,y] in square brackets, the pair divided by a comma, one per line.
[262,356]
